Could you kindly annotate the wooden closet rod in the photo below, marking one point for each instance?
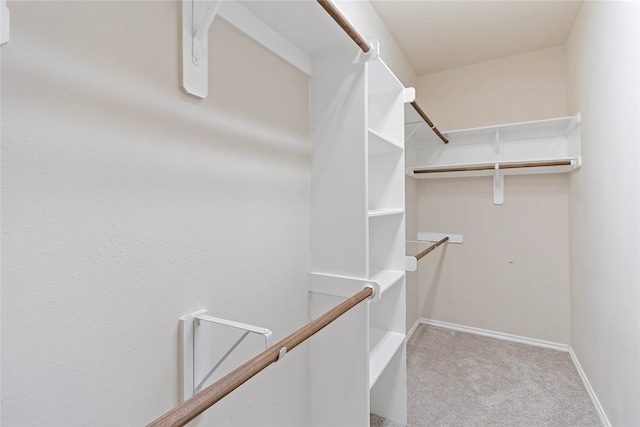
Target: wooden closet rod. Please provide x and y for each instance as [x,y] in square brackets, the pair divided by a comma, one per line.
[492,167]
[200,402]
[424,116]
[352,32]
[431,248]
[345,24]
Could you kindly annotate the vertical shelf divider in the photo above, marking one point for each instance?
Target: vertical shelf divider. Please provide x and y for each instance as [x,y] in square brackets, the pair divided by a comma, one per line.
[358,364]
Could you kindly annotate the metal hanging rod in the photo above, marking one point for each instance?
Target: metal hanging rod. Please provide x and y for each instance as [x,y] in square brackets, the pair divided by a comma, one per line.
[352,32]
[431,248]
[200,402]
[490,167]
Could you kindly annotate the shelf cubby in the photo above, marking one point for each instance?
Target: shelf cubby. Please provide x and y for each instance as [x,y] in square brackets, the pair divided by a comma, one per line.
[386,245]
[383,346]
[384,172]
[384,103]
[379,144]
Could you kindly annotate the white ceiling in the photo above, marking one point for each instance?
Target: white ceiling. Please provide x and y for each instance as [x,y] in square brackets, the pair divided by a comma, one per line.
[445,34]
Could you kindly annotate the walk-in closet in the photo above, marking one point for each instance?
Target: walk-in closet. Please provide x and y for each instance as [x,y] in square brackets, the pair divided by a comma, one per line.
[347,213]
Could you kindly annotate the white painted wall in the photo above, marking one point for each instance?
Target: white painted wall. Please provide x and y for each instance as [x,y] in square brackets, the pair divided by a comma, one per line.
[603,75]
[127,203]
[530,86]
[511,274]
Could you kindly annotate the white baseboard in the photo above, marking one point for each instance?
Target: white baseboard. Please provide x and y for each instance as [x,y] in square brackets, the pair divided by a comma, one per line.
[524,340]
[590,391]
[498,335]
[413,329]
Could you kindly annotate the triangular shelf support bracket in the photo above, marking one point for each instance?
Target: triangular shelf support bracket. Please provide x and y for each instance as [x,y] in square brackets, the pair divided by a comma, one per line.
[195,346]
[197,17]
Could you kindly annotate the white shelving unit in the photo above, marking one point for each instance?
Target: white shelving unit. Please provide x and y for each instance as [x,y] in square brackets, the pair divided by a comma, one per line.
[358,363]
[383,212]
[384,345]
[538,147]
[357,238]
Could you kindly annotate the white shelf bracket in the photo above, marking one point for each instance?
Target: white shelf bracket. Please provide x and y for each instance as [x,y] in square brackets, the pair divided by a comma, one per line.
[408,95]
[197,17]
[195,344]
[5,22]
[498,186]
[374,52]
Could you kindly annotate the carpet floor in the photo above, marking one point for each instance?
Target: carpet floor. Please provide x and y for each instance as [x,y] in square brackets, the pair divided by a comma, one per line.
[460,379]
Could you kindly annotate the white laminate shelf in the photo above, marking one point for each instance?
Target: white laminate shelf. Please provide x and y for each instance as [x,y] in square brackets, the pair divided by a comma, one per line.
[384,212]
[387,278]
[379,144]
[383,345]
[558,165]
[528,148]
[537,147]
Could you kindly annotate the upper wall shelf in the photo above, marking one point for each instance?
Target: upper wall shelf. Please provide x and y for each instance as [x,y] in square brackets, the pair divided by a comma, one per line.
[295,31]
[538,147]
[488,169]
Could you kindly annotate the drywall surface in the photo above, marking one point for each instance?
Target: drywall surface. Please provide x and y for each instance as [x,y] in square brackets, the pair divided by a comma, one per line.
[127,203]
[511,273]
[530,86]
[365,18]
[603,76]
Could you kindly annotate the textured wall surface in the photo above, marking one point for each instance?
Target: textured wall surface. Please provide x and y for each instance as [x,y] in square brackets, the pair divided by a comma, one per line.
[604,205]
[511,274]
[529,86]
[127,203]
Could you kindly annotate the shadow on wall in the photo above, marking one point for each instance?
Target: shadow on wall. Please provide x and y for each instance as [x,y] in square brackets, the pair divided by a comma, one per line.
[114,97]
[430,282]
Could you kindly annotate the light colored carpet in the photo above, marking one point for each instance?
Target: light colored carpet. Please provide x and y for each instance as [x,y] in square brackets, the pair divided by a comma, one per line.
[461,379]
[376,421]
